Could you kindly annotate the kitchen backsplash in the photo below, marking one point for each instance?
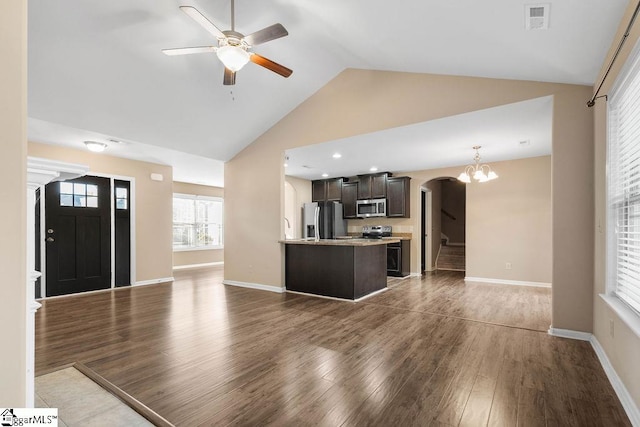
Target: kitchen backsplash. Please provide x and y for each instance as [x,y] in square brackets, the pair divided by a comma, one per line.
[357,227]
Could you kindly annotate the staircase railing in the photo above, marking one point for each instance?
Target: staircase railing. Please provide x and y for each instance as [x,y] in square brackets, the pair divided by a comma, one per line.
[448,215]
[438,256]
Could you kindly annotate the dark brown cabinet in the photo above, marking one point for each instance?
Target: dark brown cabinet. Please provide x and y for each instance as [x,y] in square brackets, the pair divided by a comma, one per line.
[373,186]
[318,191]
[327,190]
[398,195]
[334,190]
[349,198]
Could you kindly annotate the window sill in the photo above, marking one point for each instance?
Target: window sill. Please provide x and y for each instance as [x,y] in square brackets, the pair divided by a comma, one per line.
[198,248]
[626,314]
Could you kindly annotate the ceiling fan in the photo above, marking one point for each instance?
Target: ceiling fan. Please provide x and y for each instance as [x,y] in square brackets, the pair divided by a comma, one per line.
[234,48]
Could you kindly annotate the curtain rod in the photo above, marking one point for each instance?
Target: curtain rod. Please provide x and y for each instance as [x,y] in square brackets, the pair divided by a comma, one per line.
[595,96]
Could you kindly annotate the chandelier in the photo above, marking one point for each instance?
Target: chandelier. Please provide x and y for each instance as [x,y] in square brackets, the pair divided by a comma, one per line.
[481,173]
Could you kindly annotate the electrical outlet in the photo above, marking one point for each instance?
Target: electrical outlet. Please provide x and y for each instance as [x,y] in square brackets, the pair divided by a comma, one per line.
[507,266]
[611,328]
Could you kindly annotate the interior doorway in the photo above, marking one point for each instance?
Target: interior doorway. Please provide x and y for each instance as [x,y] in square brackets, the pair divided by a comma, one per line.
[86,235]
[443,211]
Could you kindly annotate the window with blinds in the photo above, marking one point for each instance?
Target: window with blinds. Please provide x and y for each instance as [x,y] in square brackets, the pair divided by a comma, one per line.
[623,181]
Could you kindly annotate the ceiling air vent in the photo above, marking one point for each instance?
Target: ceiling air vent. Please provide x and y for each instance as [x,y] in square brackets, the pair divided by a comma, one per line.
[536,16]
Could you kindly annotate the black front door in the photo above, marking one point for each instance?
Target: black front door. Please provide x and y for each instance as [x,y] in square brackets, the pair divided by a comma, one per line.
[78,235]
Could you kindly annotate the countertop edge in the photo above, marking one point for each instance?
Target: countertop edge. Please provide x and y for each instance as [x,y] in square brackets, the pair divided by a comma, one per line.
[341,242]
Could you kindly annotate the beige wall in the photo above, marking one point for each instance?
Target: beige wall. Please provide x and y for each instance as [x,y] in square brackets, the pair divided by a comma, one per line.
[206,256]
[362,101]
[509,221]
[622,349]
[453,202]
[13,140]
[301,194]
[153,204]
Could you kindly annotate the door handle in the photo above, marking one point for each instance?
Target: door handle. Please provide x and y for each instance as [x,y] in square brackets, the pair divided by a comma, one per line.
[50,239]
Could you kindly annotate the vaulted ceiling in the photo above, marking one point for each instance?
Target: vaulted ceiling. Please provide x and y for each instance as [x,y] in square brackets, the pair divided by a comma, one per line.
[96,66]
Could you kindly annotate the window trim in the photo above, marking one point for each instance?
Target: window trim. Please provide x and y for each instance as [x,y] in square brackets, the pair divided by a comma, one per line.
[628,314]
[199,197]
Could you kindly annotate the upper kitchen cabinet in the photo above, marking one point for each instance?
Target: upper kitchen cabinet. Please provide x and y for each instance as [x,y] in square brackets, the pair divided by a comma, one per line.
[327,190]
[349,198]
[372,186]
[398,195]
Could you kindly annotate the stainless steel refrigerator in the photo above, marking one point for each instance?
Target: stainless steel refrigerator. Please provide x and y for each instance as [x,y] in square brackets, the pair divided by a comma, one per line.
[323,220]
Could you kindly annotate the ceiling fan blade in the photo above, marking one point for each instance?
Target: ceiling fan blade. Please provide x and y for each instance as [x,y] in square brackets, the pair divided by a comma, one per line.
[229,77]
[270,65]
[188,50]
[202,20]
[272,32]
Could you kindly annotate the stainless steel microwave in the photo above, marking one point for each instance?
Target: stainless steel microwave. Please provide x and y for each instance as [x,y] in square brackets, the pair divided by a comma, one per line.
[371,208]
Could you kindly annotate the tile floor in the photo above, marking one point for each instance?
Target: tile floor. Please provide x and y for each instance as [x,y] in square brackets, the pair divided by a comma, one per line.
[81,402]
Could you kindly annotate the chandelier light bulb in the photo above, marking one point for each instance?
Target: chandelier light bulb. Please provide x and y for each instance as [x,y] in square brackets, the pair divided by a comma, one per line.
[464,177]
[479,175]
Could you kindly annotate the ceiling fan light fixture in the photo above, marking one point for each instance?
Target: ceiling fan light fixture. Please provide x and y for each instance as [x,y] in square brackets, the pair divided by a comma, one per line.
[233,57]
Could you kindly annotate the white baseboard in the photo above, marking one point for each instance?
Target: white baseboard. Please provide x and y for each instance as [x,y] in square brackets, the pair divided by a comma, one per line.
[567,333]
[379,291]
[621,391]
[623,394]
[194,266]
[258,286]
[507,282]
[153,281]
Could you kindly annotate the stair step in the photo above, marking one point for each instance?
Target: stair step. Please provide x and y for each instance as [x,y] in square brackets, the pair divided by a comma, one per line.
[451,258]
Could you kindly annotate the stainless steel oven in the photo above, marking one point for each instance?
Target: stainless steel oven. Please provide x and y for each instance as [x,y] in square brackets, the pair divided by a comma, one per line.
[371,208]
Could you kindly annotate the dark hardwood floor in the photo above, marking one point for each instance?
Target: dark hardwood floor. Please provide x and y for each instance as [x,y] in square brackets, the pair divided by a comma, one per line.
[423,353]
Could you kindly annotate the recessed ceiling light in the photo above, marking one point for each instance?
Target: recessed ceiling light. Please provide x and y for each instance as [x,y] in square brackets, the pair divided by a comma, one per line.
[96,147]
[324,175]
[337,155]
[373,169]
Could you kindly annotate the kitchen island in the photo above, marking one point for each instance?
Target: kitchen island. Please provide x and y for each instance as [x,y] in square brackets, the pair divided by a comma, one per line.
[340,268]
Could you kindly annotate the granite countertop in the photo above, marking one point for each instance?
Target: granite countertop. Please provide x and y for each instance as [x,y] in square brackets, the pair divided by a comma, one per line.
[341,242]
[401,237]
